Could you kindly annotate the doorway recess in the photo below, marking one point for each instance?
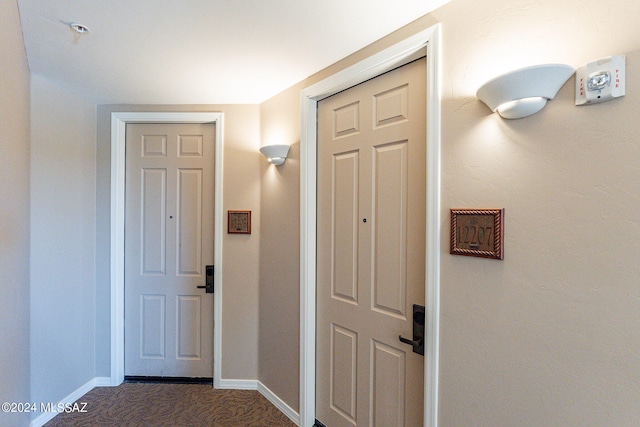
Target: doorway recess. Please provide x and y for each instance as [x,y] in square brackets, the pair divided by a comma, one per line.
[119,122]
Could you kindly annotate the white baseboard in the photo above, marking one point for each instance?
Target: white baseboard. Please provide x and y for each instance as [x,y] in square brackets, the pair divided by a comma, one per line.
[75,395]
[102,382]
[238,384]
[279,403]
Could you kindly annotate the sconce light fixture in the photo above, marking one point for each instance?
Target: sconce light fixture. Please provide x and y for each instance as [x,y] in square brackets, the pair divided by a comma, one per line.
[524,92]
[275,154]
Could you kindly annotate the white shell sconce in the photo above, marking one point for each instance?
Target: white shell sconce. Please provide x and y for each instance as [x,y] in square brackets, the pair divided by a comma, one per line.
[275,154]
[524,92]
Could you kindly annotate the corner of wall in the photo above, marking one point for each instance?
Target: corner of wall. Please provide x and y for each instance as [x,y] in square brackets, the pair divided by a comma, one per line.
[14,215]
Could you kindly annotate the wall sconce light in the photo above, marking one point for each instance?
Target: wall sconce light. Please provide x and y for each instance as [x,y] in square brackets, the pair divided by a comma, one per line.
[524,92]
[275,154]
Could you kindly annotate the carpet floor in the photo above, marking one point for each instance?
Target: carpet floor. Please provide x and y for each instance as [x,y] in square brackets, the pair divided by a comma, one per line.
[171,405]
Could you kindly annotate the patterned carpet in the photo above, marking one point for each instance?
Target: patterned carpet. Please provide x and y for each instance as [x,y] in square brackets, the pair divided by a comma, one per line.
[169,405]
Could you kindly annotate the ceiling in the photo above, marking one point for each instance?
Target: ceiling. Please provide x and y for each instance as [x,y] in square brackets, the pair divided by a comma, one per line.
[200,51]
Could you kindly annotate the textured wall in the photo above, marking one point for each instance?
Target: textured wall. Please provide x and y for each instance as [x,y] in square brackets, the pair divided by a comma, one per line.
[14,215]
[549,335]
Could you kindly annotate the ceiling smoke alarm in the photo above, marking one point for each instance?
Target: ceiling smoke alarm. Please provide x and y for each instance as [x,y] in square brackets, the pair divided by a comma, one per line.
[79,28]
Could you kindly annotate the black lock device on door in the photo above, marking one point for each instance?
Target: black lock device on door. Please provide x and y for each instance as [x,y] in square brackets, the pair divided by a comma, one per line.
[208,287]
[418,330]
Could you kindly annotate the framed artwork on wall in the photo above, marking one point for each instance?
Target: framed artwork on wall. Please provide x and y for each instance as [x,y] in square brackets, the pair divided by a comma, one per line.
[239,222]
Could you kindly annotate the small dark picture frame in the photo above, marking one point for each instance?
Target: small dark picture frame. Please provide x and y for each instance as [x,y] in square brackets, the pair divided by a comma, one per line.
[239,222]
[477,232]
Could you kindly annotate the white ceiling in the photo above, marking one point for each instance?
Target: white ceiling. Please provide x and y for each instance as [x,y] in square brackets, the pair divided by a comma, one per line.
[200,51]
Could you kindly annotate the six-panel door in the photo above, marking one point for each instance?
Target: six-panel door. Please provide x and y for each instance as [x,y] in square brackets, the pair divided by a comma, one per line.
[168,242]
[371,250]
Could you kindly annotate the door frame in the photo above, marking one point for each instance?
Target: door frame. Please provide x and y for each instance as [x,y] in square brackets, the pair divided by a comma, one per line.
[119,122]
[425,42]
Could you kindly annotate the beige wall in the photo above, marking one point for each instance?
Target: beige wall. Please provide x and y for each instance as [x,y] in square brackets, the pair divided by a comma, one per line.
[242,169]
[14,215]
[63,282]
[550,335]
[279,252]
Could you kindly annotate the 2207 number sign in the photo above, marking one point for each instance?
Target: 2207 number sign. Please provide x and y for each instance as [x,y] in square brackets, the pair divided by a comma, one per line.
[477,232]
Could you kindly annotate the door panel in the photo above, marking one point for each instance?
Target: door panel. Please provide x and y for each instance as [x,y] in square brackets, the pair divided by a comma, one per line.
[345,230]
[168,242]
[344,344]
[391,106]
[387,385]
[154,183]
[152,323]
[346,120]
[189,241]
[390,230]
[189,316]
[371,250]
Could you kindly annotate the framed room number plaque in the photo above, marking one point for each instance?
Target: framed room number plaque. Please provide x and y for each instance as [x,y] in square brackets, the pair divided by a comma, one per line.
[477,232]
[239,222]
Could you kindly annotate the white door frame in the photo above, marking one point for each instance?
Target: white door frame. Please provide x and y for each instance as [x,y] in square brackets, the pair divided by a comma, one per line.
[119,122]
[427,41]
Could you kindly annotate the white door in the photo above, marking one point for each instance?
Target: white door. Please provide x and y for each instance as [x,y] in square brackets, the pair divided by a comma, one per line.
[371,250]
[169,227]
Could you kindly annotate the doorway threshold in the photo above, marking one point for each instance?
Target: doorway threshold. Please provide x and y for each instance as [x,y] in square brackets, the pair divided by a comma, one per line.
[167,380]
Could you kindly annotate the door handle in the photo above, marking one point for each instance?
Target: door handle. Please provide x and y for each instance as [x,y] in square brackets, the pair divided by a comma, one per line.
[418,330]
[208,282]
[411,342]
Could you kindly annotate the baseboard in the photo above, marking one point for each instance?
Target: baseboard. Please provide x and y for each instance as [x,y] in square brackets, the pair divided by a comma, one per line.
[238,384]
[75,395]
[279,403]
[102,382]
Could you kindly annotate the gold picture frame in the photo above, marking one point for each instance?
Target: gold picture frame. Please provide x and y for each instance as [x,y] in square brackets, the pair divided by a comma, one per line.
[477,232]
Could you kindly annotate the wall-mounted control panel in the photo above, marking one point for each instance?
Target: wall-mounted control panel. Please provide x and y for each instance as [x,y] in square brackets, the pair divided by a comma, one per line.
[600,80]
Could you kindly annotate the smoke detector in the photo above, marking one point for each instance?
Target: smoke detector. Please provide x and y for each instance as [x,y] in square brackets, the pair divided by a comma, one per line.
[79,28]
